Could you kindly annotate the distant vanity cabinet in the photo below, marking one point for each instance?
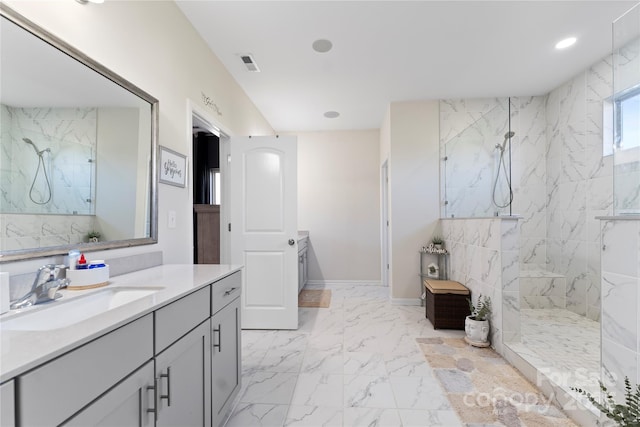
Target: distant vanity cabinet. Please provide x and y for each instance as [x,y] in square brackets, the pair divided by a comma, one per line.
[178,365]
[303,269]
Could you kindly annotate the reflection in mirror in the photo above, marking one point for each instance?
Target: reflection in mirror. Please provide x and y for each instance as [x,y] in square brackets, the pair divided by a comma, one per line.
[77,149]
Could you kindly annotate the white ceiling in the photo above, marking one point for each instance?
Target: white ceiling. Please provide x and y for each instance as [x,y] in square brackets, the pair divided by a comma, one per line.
[386,51]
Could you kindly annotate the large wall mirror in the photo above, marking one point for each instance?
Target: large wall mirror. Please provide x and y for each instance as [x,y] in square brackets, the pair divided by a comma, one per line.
[77,149]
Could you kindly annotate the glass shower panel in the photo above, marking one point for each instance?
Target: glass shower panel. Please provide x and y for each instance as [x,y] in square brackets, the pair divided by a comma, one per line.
[626,107]
[474,158]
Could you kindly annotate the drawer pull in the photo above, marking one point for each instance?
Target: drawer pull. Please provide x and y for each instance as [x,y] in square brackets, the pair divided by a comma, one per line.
[168,377]
[229,291]
[154,410]
[219,345]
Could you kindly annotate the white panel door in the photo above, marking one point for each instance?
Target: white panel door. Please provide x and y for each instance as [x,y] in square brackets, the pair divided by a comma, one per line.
[264,229]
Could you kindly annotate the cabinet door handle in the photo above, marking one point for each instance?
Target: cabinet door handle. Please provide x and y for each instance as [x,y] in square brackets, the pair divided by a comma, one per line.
[229,291]
[219,345]
[154,410]
[168,377]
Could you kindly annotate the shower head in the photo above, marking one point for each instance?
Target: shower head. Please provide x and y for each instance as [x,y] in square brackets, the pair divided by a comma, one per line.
[38,151]
[507,136]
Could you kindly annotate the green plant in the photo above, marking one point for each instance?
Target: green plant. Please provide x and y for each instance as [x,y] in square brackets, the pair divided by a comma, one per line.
[437,240]
[624,414]
[93,234]
[482,309]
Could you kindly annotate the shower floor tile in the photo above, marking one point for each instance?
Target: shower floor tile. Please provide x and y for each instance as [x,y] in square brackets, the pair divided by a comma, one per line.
[562,345]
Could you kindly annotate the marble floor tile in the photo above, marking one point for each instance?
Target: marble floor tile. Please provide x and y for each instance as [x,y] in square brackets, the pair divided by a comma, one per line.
[367,417]
[318,390]
[281,361]
[270,387]
[353,364]
[368,391]
[419,393]
[416,418]
[324,362]
[313,416]
[258,414]
[364,364]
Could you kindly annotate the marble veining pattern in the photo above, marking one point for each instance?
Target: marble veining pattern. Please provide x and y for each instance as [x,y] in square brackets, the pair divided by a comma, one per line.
[353,364]
[562,345]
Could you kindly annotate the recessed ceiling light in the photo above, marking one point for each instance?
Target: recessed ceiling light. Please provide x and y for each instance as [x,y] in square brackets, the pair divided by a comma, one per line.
[331,114]
[563,44]
[322,45]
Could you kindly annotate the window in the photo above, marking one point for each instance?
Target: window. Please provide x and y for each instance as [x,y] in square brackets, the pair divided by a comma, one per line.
[628,120]
[621,122]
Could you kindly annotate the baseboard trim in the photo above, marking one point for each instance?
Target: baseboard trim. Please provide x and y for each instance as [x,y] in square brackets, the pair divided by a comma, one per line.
[405,301]
[345,282]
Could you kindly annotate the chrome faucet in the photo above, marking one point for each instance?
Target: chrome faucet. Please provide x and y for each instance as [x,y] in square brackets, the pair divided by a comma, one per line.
[45,287]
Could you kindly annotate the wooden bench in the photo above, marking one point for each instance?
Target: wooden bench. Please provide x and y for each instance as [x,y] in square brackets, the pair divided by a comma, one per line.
[446,303]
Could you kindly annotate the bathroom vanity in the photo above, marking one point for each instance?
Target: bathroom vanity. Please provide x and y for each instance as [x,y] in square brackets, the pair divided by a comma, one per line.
[165,350]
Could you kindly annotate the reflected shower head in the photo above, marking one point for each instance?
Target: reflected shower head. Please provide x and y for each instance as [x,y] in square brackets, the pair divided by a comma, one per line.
[509,134]
[38,151]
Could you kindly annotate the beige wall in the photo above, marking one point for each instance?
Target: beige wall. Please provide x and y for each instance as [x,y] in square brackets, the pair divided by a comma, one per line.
[414,190]
[338,203]
[151,44]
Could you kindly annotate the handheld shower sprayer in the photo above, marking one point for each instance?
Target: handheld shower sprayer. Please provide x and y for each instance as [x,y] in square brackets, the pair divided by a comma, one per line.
[502,167]
[43,200]
[35,147]
[507,136]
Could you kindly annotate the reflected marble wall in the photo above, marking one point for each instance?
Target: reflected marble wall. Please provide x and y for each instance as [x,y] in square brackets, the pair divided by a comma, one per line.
[620,301]
[70,134]
[484,257]
[25,231]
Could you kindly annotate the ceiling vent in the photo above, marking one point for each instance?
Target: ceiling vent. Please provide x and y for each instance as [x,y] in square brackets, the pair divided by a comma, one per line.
[248,62]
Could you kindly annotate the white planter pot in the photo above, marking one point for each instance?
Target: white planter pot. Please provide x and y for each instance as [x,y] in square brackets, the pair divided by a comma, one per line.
[477,332]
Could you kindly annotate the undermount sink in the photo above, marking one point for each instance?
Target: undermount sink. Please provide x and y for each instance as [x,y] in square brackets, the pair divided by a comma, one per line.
[61,313]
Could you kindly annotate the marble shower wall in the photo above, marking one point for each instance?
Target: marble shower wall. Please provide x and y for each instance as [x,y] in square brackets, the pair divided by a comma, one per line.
[484,257]
[620,301]
[70,134]
[579,184]
[469,132]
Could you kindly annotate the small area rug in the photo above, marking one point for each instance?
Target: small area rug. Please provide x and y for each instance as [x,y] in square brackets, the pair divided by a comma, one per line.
[314,298]
[484,389]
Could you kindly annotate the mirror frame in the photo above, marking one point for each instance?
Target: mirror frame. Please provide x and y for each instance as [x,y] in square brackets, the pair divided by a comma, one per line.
[66,48]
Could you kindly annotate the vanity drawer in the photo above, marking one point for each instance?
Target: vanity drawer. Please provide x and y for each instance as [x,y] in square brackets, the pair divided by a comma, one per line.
[173,321]
[56,390]
[224,291]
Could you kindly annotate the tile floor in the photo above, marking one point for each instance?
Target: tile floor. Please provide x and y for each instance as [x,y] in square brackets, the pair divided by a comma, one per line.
[353,364]
[563,345]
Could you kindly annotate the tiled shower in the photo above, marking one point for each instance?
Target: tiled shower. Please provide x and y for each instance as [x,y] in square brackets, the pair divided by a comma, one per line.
[563,176]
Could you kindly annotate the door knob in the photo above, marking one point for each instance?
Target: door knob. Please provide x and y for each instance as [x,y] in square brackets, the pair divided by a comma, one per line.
[292,242]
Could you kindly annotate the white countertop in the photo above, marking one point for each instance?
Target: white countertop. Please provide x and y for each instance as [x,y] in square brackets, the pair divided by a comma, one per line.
[24,350]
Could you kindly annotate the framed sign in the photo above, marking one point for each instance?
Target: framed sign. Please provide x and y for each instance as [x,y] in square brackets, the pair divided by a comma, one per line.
[172,168]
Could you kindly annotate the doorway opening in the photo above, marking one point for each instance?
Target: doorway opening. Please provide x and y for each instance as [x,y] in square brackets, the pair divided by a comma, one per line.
[209,191]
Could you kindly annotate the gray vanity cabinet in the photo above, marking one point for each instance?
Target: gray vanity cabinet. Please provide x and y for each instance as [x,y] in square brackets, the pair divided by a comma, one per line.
[183,373]
[54,392]
[225,343]
[127,404]
[7,405]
